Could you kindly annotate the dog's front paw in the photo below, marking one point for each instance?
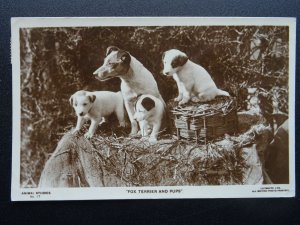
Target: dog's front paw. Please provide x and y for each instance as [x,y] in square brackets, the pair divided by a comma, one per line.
[88,135]
[135,134]
[195,99]
[122,124]
[184,101]
[134,129]
[143,138]
[152,140]
[178,98]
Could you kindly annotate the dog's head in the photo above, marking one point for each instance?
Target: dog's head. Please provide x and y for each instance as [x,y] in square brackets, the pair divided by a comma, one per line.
[173,61]
[82,102]
[143,108]
[116,63]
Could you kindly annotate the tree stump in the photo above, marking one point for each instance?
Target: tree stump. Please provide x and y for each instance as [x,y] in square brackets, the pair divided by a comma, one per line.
[75,163]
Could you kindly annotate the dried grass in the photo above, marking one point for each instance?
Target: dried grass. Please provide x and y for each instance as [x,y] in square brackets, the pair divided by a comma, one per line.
[171,162]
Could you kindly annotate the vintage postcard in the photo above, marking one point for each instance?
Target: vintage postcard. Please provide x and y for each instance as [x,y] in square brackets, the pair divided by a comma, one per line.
[142,108]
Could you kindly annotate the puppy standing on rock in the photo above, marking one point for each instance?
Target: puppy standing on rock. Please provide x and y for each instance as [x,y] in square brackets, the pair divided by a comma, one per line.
[193,80]
[135,79]
[95,106]
[149,112]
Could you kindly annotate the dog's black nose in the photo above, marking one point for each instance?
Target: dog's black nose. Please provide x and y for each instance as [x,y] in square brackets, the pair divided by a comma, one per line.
[81,114]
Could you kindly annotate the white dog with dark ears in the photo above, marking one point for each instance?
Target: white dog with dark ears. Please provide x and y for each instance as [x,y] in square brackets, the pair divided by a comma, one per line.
[95,106]
[193,81]
[135,79]
[149,112]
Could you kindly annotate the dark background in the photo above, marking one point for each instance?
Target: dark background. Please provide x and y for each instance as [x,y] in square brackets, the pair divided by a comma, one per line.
[202,211]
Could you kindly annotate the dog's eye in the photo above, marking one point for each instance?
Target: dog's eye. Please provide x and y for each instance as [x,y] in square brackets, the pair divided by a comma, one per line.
[84,104]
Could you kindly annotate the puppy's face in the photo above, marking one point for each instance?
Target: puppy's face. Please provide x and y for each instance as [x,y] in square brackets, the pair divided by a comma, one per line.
[143,108]
[82,102]
[116,63]
[173,60]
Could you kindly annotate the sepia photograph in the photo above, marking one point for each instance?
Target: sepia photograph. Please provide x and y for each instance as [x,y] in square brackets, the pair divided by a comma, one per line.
[126,108]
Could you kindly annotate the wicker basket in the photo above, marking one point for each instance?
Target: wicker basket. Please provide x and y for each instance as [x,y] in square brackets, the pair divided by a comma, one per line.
[206,121]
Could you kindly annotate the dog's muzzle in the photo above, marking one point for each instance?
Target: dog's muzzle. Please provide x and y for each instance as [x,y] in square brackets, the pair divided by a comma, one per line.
[97,71]
[101,74]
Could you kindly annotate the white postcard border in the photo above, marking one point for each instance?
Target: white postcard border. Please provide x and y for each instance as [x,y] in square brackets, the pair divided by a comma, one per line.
[223,191]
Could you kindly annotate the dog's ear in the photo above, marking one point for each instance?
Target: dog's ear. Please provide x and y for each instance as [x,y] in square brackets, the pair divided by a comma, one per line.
[125,57]
[92,98]
[71,100]
[148,103]
[179,60]
[111,49]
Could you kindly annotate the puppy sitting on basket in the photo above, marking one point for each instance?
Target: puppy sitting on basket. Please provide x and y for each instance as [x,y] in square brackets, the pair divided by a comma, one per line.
[193,81]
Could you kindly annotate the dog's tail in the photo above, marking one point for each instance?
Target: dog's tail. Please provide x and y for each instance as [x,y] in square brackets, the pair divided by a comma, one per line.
[224,93]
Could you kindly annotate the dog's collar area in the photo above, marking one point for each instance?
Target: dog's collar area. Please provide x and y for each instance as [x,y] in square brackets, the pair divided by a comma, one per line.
[127,77]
